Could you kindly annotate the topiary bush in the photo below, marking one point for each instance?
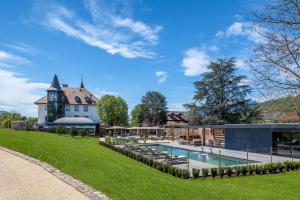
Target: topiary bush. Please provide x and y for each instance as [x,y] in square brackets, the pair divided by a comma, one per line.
[229,171]
[221,172]
[196,172]
[244,170]
[237,170]
[204,172]
[213,172]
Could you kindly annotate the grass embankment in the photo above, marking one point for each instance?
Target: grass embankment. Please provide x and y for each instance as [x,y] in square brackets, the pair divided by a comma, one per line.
[123,178]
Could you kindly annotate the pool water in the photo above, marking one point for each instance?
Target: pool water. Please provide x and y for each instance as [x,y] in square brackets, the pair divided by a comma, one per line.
[201,156]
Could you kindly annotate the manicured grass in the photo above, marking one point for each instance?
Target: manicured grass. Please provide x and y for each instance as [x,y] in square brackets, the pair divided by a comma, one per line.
[123,178]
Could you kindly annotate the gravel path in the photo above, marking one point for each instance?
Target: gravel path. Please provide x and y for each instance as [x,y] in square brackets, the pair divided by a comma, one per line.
[21,179]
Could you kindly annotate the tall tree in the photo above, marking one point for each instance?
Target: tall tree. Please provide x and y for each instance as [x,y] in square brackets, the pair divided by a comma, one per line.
[154,108]
[112,110]
[137,115]
[220,96]
[276,61]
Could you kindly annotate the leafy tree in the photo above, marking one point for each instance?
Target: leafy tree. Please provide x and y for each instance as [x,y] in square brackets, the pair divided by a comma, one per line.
[112,110]
[137,115]
[154,108]
[221,97]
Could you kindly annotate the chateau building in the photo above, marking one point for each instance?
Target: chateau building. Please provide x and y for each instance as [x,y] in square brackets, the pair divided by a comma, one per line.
[64,105]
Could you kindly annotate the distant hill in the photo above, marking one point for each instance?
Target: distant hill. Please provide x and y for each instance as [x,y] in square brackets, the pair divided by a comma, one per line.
[279,110]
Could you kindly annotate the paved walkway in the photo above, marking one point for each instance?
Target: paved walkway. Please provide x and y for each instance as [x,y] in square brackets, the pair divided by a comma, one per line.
[21,179]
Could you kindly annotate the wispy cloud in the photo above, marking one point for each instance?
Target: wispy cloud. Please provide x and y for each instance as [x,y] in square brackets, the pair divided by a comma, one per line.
[22,47]
[195,61]
[162,76]
[9,60]
[245,29]
[176,107]
[101,92]
[108,30]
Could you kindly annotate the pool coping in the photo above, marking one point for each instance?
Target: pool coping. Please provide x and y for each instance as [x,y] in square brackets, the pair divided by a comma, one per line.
[259,158]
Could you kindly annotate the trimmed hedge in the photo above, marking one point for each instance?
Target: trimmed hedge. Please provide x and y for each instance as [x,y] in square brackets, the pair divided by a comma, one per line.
[244,170]
[270,168]
[166,168]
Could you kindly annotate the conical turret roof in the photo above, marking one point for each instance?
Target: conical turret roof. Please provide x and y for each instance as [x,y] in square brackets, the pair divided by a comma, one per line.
[81,84]
[55,84]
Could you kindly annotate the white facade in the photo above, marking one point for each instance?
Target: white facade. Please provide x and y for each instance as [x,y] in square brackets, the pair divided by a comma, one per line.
[90,113]
[42,113]
[70,111]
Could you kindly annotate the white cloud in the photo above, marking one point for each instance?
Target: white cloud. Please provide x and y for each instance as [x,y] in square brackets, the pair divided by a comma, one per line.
[195,62]
[9,59]
[213,48]
[177,107]
[102,92]
[241,64]
[245,29]
[110,31]
[162,76]
[19,93]
[16,91]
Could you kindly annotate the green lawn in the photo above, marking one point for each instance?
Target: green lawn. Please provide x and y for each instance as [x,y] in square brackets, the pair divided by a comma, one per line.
[123,178]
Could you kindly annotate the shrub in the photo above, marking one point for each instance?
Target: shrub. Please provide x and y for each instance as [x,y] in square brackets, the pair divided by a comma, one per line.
[237,170]
[213,172]
[271,168]
[251,169]
[229,171]
[83,132]
[60,130]
[195,173]
[279,166]
[287,165]
[185,173]
[73,131]
[221,172]
[204,172]
[244,170]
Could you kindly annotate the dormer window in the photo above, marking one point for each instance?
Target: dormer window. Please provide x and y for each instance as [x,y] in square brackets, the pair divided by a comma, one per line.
[77,99]
[88,100]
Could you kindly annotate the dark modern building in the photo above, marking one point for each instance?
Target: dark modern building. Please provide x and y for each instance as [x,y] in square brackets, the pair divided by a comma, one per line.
[281,139]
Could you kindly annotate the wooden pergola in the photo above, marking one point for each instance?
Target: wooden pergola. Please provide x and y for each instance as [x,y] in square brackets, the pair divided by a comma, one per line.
[140,130]
[117,130]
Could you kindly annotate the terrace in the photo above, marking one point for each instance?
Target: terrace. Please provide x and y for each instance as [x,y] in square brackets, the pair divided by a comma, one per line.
[192,147]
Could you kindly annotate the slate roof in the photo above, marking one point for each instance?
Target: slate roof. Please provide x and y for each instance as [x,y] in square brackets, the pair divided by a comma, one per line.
[55,84]
[70,94]
[176,117]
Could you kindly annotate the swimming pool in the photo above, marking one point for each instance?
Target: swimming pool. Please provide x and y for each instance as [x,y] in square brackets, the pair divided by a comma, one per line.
[212,159]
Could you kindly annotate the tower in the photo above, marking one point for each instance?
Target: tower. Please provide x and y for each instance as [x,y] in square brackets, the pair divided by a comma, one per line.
[81,84]
[55,98]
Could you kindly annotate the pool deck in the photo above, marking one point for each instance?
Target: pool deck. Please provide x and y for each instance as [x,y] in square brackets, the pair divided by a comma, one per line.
[260,158]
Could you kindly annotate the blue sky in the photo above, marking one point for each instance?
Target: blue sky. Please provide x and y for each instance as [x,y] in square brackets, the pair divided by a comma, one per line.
[119,47]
